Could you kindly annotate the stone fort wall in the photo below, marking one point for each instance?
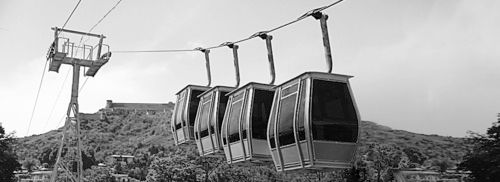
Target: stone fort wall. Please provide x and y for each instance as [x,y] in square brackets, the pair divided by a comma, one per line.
[147,107]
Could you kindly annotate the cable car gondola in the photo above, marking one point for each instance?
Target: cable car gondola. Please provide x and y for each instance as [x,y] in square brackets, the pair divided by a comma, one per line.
[186,106]
[314,122]
[211,112]
[184,113]
[209,120]
[245,121]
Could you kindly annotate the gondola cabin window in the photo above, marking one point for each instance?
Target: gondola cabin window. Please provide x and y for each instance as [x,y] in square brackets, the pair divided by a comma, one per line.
[233,130]
[260,113]
[193,105]
[333,114]
[301,109]
[286,115]
[205,111]
[244,120]
[180,108]
[220,112]
[272,121]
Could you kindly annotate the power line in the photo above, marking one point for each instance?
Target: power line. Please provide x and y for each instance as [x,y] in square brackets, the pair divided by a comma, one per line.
[238,41]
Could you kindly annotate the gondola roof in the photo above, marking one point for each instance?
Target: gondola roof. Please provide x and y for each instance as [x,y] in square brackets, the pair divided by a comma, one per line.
[194,86]
[313,74]
[223,88]
[262,86]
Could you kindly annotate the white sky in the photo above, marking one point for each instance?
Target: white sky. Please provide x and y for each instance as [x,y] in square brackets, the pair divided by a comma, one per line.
[424,66]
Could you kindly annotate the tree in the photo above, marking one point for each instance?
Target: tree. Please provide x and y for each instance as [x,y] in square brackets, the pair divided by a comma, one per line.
[8,159]
[139,167]
[484,159]
[415,155]
[98,174]
[207,165]
[174,166]
[442,164]
[30,164]
[385,159]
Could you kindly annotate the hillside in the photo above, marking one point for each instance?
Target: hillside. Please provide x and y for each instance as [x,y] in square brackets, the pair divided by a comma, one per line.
[121,132]
[128,132]
[433,146]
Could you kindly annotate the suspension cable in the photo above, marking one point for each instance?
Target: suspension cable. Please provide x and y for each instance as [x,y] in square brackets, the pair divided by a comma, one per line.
[70,15]
[90,30]
[238,41]
[57,99]
[98,22]
[44,69]
[83,85]
[36,99]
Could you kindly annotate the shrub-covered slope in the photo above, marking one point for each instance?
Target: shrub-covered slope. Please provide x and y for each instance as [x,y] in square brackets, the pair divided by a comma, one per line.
[127,132]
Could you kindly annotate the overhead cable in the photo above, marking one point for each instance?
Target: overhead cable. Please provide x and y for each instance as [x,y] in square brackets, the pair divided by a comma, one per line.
[44,69]
[83,85]
[57,99]
[100,20]
[167,50]
[109,11]
[90,30]
[36,99]
[305,15]
[71,14]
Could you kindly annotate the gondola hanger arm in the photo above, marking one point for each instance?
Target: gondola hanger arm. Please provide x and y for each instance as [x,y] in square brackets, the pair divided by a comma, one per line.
[263,35]
[318,15]
[234,47]
[207,64]
[326,39]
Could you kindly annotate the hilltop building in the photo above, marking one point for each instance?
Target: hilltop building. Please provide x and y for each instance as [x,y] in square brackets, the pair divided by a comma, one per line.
[148,108]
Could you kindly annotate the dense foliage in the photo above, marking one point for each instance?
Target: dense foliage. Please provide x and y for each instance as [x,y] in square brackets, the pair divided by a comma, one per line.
[484,160]
[98,174]
[8,159]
